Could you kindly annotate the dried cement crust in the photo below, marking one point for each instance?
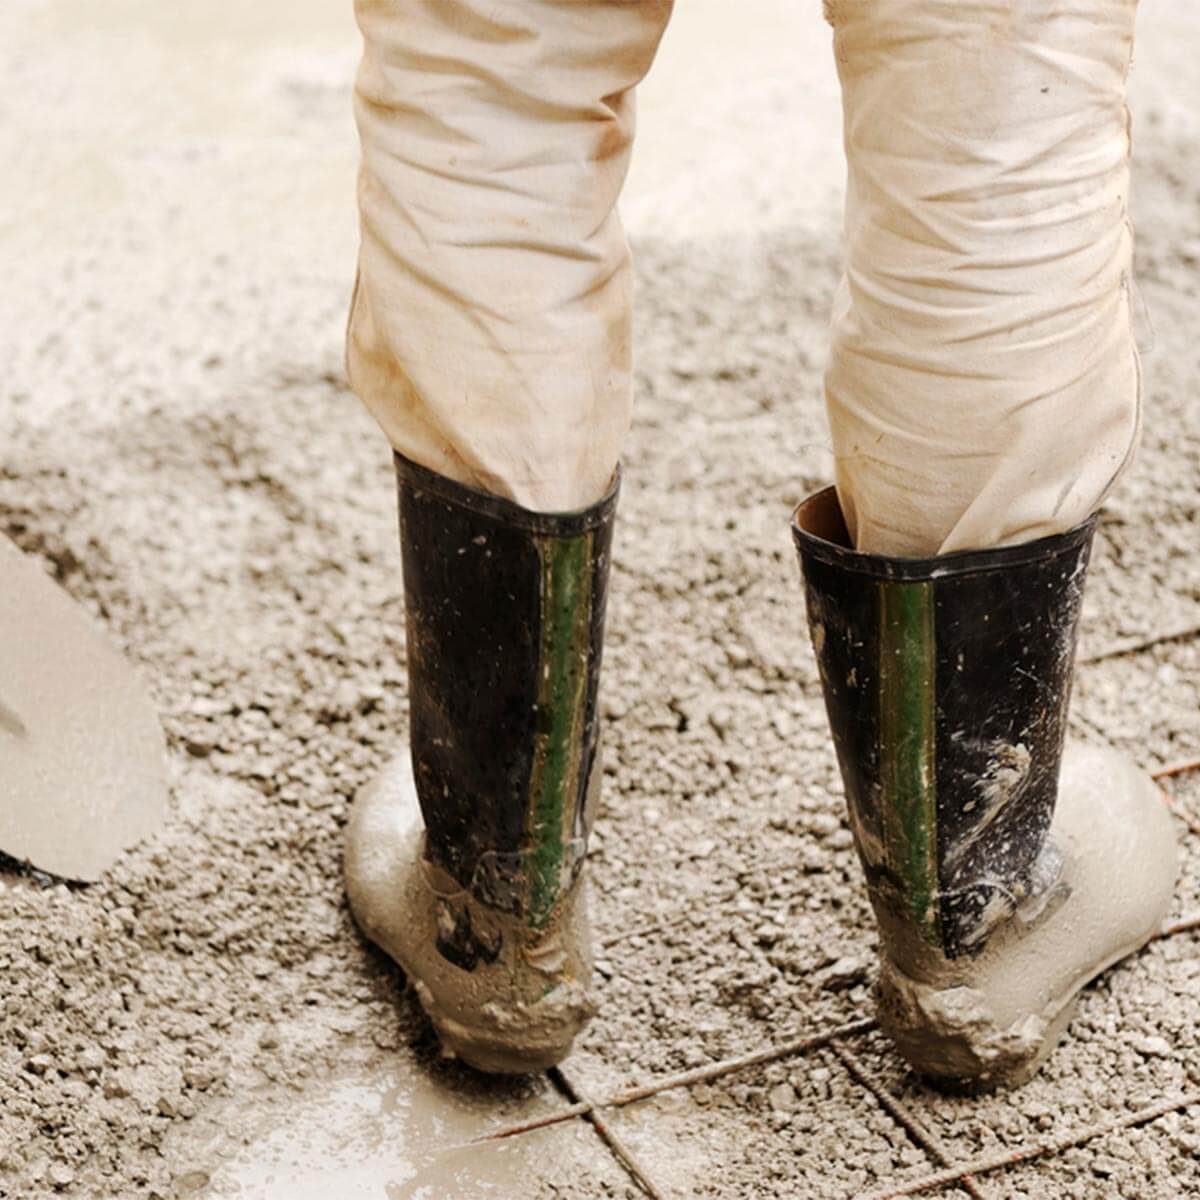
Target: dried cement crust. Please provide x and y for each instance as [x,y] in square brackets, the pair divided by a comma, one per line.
[516,1013]
[994,1019]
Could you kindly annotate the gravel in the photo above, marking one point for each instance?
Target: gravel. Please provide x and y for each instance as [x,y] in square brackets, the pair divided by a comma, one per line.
[181,452]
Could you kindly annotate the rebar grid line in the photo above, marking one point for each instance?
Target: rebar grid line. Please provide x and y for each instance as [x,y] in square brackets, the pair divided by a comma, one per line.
[1179,767]
[1192,822]
[1083,719]
[1183,925]
[1182,811]
[725,1066]
[644,930]
[995,1162]
[962,1174]
[558,1117]
[1136,645]
[608,1136]
[830,1037]
[896,1109]
[729,1065]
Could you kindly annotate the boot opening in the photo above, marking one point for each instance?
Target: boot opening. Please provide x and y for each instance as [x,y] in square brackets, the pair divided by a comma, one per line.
[820,516]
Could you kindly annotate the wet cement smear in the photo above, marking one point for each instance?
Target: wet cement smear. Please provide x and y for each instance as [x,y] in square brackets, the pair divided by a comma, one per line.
[386,1132]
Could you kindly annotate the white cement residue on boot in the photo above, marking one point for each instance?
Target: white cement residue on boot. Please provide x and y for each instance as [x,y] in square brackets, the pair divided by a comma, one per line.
[516,1013]
[1001,783]
[994,1018]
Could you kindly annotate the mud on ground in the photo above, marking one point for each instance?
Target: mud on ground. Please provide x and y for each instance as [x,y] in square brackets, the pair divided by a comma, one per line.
[185,459]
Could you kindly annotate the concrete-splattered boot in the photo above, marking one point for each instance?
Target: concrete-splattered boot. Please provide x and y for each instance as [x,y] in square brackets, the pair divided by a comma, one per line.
[464,859]
[1001,885]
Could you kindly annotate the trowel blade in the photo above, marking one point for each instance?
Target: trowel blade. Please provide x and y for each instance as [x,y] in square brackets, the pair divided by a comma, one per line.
[82,760]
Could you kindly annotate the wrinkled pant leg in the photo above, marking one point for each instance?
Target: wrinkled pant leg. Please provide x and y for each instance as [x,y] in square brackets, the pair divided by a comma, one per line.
[490,330]
[983,386]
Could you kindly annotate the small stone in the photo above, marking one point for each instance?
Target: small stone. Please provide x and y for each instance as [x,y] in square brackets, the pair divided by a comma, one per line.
[737,655]
[844,973]
[39,1064]
[198,1077]
[386,1039]
[782,1098]
[92,1059]
[61,1175]
[191,1183]
[1105,1166]
[1042,1115]
[768,933]
[200,745]
[823,824]
[1151,1047]
[721,718]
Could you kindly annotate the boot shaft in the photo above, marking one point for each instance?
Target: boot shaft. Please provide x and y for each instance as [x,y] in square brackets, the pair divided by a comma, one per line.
[505,618]
[946,682]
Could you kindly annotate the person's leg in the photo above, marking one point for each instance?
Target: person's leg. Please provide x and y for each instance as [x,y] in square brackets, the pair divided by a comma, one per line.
[983,397]
[490,331]
[983,380]
[490,337]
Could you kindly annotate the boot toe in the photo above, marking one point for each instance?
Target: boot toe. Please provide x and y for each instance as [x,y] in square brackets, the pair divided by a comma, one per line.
[994,1019]
[509,1013]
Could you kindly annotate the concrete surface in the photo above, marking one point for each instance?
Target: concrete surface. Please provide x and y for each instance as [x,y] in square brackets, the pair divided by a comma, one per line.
[177,233]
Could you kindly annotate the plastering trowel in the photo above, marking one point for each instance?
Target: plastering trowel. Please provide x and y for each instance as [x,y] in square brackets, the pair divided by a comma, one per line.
[82,764]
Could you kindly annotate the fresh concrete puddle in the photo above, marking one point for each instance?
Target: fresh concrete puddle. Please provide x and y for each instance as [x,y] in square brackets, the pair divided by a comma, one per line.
[391,1130]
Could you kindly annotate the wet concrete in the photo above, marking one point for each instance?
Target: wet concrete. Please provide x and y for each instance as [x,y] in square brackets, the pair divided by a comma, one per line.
[389,1129]
[179,238]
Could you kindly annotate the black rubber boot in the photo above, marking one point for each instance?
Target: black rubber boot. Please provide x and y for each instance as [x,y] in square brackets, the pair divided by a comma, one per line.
[464,859]
[1003,877]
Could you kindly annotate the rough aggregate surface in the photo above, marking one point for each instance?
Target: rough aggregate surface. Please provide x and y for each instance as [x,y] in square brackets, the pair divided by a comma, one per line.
[182,455]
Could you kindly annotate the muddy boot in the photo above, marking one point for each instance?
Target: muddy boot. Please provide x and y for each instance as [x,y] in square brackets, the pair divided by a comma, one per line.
[946,682]
[464,859]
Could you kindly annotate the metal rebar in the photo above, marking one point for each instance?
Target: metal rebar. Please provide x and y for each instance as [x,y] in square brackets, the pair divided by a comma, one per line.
[685,1079]
[1020,1154]
[1136,645]
[902,1116]
[1178,767]
[608,1135]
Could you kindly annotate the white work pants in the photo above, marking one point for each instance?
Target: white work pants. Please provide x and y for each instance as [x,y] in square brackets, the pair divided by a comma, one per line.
[983,384]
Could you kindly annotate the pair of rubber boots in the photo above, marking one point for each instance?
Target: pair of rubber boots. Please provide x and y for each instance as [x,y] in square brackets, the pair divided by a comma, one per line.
[1004,874]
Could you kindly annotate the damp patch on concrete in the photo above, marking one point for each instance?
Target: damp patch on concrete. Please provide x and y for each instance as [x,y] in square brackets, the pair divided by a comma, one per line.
[386,1129]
